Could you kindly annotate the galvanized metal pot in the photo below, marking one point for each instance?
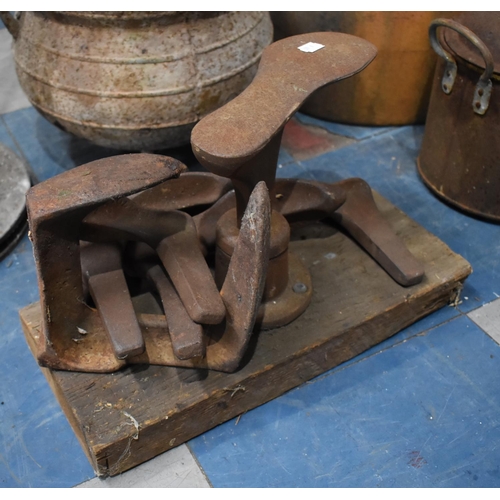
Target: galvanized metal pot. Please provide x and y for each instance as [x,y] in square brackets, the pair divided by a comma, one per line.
[460,156]
[135,80]
[395,88]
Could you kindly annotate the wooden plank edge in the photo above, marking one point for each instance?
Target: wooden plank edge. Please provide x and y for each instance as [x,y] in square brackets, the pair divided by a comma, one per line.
[170,431]
[80,434]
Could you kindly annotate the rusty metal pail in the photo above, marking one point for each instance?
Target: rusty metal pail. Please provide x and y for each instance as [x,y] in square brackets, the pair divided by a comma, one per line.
[395,88]
[135,80]
[460,156]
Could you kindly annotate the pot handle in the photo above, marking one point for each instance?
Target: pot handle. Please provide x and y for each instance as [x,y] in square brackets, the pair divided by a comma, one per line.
[482,93]
[11,23]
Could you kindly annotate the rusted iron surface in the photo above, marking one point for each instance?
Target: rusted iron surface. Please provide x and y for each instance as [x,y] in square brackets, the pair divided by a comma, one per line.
[187,268]
[244,284]
[395,88]
[104,281]
[190,189]
[56,209]
[173,235]
[206,221]
[226,141]
[136,81]
[185,334]
[241,292]
[77,336]
[460,156]
[156,243]
[112,298]
[360,217]
[241,141]
[277,270]
[306,200]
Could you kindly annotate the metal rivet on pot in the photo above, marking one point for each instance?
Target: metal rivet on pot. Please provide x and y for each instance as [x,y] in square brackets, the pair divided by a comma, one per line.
[299,288]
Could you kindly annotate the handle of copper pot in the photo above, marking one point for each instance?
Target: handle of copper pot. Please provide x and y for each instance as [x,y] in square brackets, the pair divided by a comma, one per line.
[482,92]
[11,23]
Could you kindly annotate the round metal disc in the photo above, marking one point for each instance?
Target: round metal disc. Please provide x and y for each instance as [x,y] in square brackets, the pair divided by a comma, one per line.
[14,183]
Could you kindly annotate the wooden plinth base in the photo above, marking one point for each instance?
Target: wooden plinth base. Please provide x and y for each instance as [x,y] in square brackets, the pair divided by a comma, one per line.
[125,418]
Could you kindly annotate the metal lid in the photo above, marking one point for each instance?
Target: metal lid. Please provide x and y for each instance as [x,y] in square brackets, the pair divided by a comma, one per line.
[14,183]
[486,25]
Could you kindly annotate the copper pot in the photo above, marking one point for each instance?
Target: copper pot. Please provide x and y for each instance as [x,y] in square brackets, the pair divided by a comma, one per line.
[135,80]
[460,156]
[395,88]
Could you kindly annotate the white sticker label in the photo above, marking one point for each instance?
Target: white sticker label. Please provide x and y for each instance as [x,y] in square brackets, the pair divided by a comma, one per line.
[310,47]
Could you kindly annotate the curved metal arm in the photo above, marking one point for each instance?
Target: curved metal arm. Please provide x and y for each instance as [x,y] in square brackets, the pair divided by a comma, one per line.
[482,92]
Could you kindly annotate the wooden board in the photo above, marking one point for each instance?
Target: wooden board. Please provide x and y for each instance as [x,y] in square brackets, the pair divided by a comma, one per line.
[125,418]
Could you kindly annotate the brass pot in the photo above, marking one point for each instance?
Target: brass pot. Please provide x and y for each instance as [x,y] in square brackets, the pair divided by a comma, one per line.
[460,156]
[135,80]
[394,89]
